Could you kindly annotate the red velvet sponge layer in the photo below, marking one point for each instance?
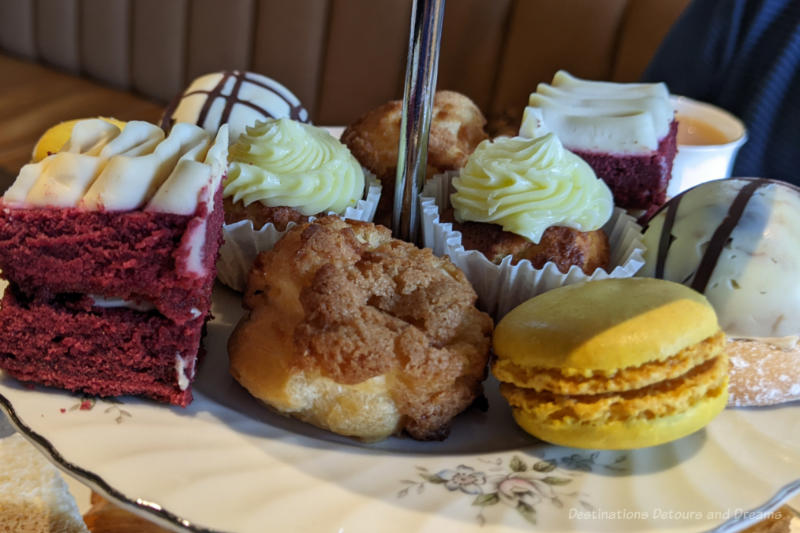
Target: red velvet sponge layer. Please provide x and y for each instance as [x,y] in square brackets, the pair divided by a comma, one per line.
[136,255]
[637,181]
[68,344]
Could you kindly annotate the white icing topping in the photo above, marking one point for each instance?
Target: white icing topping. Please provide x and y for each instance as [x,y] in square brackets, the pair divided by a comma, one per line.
[128,180]
[180,370]
[193,182]
[103,168]
[195,312]
[599,116]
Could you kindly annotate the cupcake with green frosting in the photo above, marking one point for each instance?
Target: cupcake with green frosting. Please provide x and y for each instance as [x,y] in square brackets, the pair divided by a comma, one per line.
[524,216]
[281,173]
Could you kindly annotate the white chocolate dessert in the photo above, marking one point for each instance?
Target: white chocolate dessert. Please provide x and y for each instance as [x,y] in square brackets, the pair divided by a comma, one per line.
[738,242]
[233,97]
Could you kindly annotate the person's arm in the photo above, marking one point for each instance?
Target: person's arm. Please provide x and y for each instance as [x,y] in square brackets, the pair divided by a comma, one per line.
[697,48]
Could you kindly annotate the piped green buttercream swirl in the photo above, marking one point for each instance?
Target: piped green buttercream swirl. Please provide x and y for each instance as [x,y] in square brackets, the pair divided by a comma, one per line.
[287,163]
[528,185]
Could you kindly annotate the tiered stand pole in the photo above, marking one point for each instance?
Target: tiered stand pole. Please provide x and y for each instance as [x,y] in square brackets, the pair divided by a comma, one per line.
[421,67]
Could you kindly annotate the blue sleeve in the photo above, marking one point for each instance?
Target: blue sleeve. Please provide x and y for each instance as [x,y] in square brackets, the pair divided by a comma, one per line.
[743,56]
[694,54]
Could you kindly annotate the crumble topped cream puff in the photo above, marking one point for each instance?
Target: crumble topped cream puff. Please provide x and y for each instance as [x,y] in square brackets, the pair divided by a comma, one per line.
[359,333]
[457,126]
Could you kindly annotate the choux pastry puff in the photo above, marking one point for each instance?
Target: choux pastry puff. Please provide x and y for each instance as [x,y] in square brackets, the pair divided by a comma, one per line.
[612,364]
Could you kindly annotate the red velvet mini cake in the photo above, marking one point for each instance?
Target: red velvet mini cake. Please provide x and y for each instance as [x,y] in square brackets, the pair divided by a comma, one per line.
[109,246]
[625,131]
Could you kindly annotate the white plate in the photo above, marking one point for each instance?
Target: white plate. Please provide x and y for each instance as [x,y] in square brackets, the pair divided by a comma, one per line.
[226,463]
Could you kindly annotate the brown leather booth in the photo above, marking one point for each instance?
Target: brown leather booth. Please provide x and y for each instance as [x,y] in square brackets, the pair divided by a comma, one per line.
[62,59]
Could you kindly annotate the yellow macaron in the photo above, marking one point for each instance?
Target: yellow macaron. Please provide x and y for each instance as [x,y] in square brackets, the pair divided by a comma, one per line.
[612,364]
[57,136]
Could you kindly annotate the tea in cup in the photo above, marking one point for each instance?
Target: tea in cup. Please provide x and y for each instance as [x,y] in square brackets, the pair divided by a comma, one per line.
[708,141]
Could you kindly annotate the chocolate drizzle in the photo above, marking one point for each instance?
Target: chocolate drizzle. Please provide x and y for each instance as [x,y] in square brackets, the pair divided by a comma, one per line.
[723,232]
[665,239]
[212,95]
[719,239]
[296,111]
[234,97]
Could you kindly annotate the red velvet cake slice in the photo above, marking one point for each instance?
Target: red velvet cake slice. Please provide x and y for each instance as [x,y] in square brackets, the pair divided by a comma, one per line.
[625,131]
[110,246]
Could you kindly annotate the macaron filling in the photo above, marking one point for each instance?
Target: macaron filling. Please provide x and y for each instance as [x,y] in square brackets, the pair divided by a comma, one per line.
[665,398]
[572,381]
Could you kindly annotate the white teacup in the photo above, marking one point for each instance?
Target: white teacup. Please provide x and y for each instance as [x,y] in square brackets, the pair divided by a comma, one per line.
[708,140]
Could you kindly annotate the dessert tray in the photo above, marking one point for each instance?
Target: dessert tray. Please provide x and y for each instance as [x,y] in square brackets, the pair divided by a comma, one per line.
[226,463]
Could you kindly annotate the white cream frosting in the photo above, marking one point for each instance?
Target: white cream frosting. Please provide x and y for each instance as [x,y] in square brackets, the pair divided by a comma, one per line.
[284,162]
[755,286]
[626,118]
[112,303]
[529,185]
[102,167]
[180,369]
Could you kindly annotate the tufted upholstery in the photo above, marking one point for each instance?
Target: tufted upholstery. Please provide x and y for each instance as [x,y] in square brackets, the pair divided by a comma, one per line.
[340,56]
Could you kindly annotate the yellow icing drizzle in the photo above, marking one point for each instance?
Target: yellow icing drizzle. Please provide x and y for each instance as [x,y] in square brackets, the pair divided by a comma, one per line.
[528,185]
[287,163]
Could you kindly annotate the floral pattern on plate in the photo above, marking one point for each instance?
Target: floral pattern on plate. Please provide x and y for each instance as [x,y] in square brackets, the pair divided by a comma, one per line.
[516,483]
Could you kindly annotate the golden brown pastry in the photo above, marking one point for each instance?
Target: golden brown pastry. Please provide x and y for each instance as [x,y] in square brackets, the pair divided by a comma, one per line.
[457,126]
[359,333]
[564,246]
[506,123]
[262,214]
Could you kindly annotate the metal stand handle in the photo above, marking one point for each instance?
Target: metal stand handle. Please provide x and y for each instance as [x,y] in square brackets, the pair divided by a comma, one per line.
[412,156]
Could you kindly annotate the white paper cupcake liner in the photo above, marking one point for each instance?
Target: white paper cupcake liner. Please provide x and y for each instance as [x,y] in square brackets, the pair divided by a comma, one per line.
[501,287]
[242,243]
